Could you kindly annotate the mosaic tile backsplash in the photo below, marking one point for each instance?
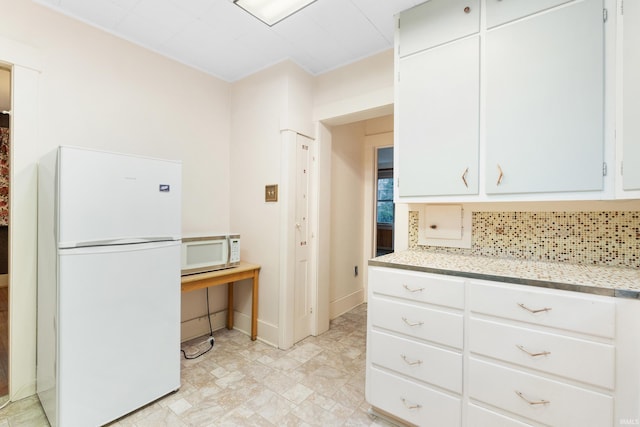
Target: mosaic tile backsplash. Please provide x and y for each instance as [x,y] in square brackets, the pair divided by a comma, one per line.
[593,238]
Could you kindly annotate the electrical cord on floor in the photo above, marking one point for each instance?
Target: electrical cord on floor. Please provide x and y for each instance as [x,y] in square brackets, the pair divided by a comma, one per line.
[211,339]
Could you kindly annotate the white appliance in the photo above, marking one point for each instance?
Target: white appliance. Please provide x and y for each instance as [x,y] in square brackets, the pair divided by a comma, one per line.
[209,252]
[108,284]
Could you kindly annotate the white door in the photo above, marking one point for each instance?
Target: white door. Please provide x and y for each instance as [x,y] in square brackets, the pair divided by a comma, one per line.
[303,305]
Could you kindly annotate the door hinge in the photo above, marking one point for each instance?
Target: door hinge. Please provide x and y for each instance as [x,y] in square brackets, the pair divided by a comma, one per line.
[605,15]
[310,310]
[621,7]
[604,169]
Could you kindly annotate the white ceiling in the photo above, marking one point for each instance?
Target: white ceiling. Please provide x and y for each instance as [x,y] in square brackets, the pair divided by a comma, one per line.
[223,40]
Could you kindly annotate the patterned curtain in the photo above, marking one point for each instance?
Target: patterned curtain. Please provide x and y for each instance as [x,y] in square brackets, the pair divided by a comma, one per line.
[4,176]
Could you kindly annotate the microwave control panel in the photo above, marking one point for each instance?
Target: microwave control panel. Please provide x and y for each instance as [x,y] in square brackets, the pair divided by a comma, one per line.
[234,250]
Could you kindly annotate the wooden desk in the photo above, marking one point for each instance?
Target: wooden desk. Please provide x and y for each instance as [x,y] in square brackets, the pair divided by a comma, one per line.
[228,276]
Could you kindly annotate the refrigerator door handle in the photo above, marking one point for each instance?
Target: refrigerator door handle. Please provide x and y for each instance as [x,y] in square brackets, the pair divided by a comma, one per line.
[110,242]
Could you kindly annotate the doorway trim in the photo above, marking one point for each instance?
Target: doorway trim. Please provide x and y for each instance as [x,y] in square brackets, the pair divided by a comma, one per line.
[25,63]
[288,235]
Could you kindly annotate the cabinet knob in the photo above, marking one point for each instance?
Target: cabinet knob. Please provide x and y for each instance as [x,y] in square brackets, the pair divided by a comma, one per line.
[467,9]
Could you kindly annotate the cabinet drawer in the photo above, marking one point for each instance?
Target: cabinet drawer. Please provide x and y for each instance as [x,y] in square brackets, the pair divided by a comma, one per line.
[416,286]
[566,405]
[412,402]
[436,366]
[587,314]
[482,417]
[418,322]
[500,12]
[510,343]
[436,22]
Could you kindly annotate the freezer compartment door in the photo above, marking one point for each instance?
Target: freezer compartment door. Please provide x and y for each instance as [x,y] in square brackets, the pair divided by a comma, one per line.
[118,330]
[105,197]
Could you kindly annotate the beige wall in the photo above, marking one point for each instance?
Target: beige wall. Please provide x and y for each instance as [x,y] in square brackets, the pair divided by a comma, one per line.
[359,91]
[347,213]
[353,157]
[95,90]
[263,106]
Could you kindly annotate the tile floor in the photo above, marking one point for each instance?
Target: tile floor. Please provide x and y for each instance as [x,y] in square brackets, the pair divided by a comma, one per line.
[318,382]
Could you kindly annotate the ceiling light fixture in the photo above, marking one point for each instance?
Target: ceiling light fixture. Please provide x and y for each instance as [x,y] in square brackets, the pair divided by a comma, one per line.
[272,11]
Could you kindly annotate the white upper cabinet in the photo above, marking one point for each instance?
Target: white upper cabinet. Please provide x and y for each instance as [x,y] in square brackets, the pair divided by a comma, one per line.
[438,112]
[504,100]
[502,11]
[630,94]
[545,99]
[436,22]
[438,120]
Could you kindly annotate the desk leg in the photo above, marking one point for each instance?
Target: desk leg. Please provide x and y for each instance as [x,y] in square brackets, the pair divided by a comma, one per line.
[230,305]
[254,308]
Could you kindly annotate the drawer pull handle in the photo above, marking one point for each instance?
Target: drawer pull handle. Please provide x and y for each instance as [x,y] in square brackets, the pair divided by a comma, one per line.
[404,319]
[464,177]
[409,405]
[530,310]
[413,290]
[542,353]
[410,363]
[532,402]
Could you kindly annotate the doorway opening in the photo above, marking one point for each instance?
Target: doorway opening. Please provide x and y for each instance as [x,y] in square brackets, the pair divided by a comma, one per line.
[385,208]
[5,143]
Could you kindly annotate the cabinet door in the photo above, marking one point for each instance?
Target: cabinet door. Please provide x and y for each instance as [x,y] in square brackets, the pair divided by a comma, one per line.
[631,96]
[436,22]
[500,12]
[544,102]
[438,116]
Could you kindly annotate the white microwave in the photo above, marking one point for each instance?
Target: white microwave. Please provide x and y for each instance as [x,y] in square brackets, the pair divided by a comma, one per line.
[204,253]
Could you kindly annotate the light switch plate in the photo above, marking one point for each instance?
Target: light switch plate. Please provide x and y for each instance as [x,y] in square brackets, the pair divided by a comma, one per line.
[271,193]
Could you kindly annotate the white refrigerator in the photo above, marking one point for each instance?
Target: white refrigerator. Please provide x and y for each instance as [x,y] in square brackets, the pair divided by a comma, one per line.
[109,230]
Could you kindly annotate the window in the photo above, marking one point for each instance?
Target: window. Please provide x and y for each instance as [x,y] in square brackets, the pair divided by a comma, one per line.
[385,198]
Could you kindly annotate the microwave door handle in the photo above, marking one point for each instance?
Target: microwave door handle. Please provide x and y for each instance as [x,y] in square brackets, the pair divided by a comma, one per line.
[228,251]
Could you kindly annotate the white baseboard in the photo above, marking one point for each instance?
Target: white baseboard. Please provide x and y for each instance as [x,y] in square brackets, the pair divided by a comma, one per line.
[199,326]
[346,303]
[267,333]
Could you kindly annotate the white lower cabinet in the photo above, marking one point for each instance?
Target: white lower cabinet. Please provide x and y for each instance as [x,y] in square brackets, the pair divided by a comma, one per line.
[536,397]
[412,401]
[414,346]
[448,351]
